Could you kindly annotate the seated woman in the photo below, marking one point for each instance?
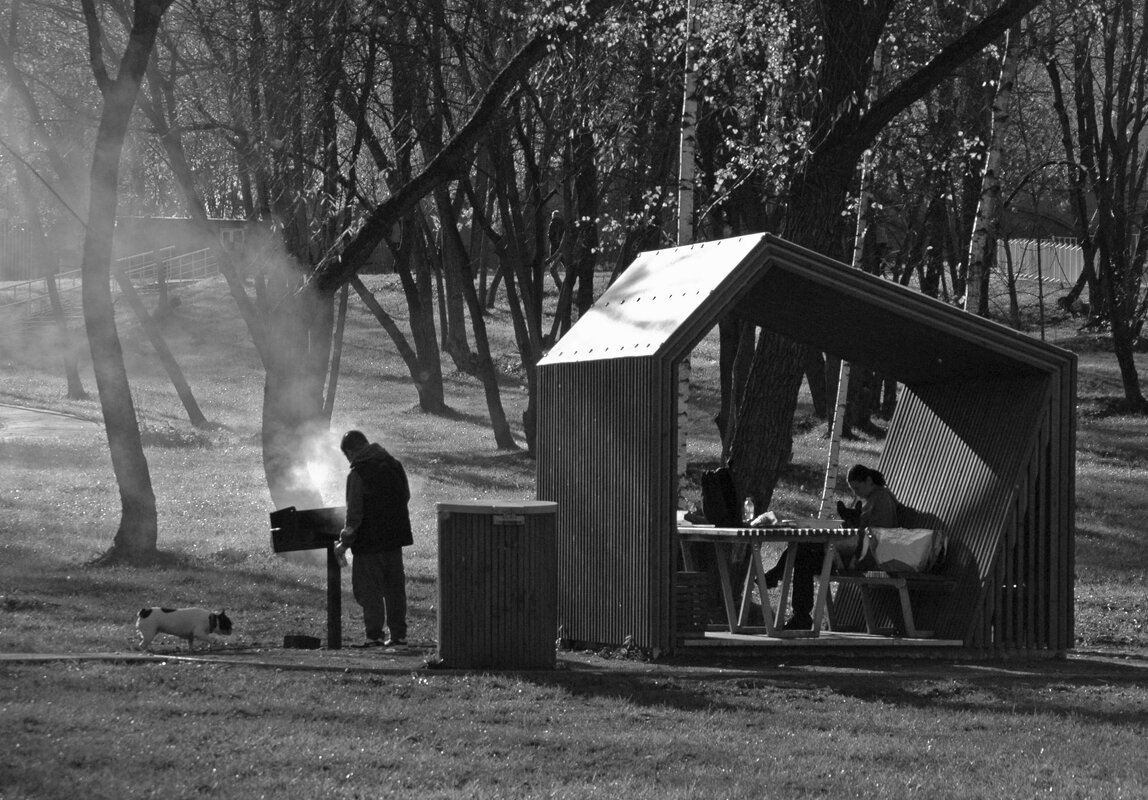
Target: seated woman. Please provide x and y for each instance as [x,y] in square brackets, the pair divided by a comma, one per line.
[878,510]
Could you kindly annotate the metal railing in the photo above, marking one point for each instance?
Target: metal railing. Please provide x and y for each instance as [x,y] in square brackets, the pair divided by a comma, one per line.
[27,299]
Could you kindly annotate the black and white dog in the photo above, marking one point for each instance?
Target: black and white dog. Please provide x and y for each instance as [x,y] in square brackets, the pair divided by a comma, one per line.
[186,623]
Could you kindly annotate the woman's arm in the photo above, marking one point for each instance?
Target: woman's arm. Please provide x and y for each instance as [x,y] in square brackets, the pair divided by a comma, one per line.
[880,510]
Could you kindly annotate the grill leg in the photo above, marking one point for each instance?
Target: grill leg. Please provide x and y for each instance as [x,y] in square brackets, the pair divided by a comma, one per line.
[334,601]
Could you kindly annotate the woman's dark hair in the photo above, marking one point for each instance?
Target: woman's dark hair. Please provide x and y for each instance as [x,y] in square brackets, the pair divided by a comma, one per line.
[859,472]
[352,441]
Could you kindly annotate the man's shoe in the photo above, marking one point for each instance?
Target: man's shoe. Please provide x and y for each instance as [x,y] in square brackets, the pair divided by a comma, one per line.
[801,623]
[370,643]
[393,642]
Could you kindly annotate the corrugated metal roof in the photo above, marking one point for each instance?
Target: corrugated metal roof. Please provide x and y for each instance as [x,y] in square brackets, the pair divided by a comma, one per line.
[658,294]
[668,299]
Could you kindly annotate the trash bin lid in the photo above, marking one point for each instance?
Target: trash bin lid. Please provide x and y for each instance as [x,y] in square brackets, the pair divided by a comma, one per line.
[496,507]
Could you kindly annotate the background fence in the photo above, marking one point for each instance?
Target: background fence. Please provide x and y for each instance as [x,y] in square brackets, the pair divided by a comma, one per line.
[1058,259]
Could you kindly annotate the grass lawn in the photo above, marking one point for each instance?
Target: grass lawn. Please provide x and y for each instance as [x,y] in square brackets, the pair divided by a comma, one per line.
[603,725]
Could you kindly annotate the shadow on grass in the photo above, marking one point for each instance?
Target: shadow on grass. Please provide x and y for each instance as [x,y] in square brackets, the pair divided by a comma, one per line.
[497,471]
[1101,692]
[1098,690]
[631,689]
[171,571]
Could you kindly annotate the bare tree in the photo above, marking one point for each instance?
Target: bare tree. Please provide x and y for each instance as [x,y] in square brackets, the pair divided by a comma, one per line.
[842,131]
[136,536]
[1105,60]
[340,263]
[48,266]
[40,131]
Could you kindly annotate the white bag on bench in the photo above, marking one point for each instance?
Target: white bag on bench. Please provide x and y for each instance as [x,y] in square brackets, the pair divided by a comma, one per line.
[902,549]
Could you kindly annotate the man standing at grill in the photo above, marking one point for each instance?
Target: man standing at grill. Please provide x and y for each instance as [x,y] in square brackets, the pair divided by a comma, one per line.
[377,529]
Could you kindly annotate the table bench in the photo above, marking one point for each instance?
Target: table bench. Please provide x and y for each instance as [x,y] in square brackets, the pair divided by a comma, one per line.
[900,582]
[737,608]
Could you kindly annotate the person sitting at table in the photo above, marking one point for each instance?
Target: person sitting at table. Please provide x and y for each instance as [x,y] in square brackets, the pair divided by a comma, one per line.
[878,509]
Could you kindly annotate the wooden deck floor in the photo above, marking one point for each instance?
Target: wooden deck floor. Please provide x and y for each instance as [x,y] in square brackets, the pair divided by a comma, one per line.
[828,640]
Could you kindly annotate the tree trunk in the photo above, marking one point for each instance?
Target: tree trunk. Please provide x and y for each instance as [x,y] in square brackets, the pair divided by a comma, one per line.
[67,345]
[728,329]
[336,355]
[739,375]
[585,255]
[772,386]
[1013,299]
[1124,350]
[48,269]
[1080,214]
[487,373]
[421,306]
[933,262]
[815,374]
[982,249]
[155,336]
[137,533]
[687,170]
[460,281]
[452,299]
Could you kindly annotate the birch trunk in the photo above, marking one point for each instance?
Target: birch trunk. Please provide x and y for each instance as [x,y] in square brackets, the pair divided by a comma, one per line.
[686,171]
[864,201]
[984,239]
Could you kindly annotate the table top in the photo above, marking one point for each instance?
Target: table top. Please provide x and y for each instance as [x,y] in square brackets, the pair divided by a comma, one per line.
[775,533]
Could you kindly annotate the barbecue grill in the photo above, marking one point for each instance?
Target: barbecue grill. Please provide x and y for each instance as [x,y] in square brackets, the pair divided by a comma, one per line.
[295,529]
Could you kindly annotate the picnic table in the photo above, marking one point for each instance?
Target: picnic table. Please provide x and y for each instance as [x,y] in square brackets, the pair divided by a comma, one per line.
[737,609]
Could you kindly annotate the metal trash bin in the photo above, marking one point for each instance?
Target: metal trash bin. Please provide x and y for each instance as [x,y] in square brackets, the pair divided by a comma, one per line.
[497,585]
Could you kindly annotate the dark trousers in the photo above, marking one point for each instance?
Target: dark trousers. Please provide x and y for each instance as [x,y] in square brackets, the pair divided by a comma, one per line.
[380,587]
[806,567]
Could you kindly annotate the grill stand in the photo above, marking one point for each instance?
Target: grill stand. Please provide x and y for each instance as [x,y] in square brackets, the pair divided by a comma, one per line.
[315,529]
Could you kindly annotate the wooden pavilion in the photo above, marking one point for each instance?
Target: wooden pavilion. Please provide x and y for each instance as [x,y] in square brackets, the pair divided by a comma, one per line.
[982,442]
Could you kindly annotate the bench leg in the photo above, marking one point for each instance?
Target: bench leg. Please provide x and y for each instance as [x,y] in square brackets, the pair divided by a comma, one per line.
[830,619]
[867,608]
[755,576]
[907,614]
[731,612]
[902,590]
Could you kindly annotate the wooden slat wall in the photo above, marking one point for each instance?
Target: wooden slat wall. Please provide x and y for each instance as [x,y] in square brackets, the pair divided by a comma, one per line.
[984,460]
[607,444]
[1030,604]
[995,487]
[1062,630]
[497,603]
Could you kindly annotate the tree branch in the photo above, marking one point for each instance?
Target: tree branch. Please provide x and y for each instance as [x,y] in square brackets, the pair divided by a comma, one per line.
[95,49]
[927,78]
[338,266]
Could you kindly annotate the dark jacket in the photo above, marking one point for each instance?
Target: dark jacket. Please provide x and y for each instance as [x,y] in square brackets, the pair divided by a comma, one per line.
[377,493]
